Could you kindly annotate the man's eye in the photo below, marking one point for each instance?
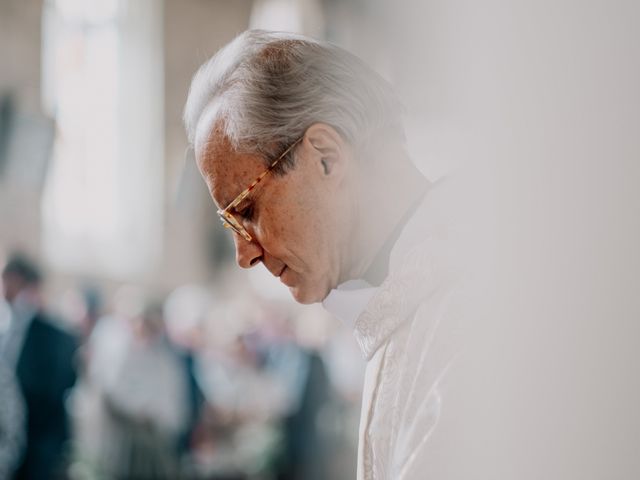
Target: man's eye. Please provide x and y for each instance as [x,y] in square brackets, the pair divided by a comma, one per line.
[246,212]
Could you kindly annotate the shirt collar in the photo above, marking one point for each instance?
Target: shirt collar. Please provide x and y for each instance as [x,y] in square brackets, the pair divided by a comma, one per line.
[348,300]
[375,312]
[372,312]
[379,268]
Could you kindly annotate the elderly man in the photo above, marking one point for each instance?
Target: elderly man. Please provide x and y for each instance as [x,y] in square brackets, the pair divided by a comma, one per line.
[302,148]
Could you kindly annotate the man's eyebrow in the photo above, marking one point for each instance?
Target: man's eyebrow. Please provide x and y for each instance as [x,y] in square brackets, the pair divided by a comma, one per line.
[228,201]
[249,200]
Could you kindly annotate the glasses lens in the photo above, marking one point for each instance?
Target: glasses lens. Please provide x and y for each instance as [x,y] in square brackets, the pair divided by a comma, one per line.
[228,221]
[228,225]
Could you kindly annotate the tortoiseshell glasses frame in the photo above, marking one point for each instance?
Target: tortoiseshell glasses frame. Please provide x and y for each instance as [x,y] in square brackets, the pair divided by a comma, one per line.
[227,218]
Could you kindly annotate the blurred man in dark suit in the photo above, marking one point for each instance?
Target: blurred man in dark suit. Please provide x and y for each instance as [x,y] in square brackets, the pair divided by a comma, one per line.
[42,355]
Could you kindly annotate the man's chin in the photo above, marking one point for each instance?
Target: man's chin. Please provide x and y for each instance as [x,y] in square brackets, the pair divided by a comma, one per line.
[307,296]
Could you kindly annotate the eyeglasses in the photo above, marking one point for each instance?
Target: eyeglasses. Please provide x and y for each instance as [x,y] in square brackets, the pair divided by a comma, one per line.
[227,218]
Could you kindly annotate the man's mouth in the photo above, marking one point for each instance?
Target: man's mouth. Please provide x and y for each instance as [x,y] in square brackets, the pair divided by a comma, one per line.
[286,278]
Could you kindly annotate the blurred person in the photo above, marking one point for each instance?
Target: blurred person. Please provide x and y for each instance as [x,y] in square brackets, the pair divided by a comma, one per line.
[42,356]
[240,435]
[185,310]
[345,370]
[291,356]
[256,382]
[82,306]
[306,453]
[334,394]
[12,421]
[302,148]
[143,387]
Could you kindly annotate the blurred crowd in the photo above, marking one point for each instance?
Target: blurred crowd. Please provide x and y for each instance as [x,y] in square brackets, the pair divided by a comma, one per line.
[182,387]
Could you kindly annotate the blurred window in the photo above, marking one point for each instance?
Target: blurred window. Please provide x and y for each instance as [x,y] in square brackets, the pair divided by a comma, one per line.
[102,82]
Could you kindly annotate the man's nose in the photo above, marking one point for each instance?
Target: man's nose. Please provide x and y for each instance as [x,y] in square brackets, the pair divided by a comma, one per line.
[248,253]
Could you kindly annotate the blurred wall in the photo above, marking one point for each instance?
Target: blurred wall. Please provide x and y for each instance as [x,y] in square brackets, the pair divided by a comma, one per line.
[194,30]
[20,50]
[20,46]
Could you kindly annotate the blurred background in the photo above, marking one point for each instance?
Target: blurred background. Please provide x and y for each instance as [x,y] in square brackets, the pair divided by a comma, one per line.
[132,347]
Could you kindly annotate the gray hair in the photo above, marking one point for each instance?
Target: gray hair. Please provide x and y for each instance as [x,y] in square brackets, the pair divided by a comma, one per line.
[267,88]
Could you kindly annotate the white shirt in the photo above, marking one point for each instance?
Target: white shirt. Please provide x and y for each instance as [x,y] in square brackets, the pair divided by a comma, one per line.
[409,342]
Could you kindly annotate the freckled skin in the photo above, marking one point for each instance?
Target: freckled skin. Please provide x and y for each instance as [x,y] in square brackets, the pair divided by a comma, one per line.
[301,219]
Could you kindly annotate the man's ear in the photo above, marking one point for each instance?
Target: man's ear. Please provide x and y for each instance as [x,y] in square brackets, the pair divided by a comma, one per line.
[327,148]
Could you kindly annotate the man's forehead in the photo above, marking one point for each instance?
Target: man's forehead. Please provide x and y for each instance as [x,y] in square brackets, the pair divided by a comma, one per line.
[210,137]
[214,152]
[226,171]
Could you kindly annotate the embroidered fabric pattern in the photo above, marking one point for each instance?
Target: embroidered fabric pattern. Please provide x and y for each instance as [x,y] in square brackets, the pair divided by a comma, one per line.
[399,326]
